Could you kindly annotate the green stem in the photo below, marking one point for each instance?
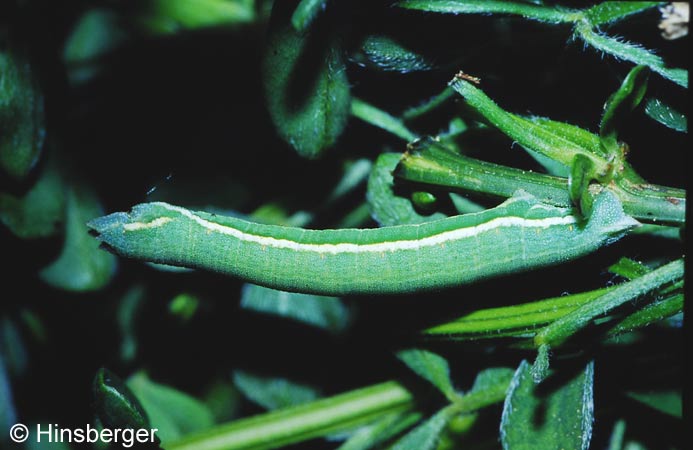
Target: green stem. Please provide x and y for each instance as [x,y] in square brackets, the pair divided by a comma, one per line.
[650,202]
[567,326]
[432,163]
[429,162]
[299,423]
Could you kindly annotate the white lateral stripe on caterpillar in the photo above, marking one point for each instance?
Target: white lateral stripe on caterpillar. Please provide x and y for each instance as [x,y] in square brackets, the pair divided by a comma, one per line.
[159,221]
[380,247]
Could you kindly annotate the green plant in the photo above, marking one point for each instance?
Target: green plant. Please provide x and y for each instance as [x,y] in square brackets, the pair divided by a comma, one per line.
[235,126]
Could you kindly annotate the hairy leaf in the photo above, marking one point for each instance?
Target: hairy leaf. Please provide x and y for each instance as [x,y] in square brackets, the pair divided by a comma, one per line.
[306,87]
[22,130]
[431,367]
[543,416]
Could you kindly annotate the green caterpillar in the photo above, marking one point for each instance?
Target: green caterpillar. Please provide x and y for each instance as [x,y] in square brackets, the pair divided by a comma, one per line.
[518,235]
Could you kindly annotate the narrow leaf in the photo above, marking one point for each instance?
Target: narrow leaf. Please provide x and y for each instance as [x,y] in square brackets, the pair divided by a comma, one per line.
[429,105]
[424,436]
[305,13]
[631,52]
[173,412]
[431,367]
[517,320]
[381,119]
[620,104]
[566,412]
[669,401]
[534,12]
[328,313]
[652,313]
[82,265]
[561,147]
[8,415]
[666,115]
[273,392]
[305,85]
[612,11]
[563,328]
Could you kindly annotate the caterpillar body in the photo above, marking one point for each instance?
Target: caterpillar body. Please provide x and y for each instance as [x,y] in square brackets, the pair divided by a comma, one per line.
[520,234]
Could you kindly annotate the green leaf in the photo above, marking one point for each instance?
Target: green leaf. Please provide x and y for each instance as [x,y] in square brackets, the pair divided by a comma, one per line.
[8,415]
[425,436]
[556,417]
[534,12]
[355,173]
[620,104]
[381,119]
[273,392]
[578,136]
[667,401]
[561,329]
[428,105]
[12,347]
[128,307]
[430,367]
[388,208]
[327,313]
[82,265]
[666,115]
[489,379]
[97,33]
[115,404]
[173,412]
[517,320]
[385,53]
[652,313]
[380,431]
[223,400]
[630,52]
[612,11]
[628,268]
[616,439]
[305,85]
[40,211]
[22,130]
[579,182]
[171,16]
[184,306]
[305,13]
